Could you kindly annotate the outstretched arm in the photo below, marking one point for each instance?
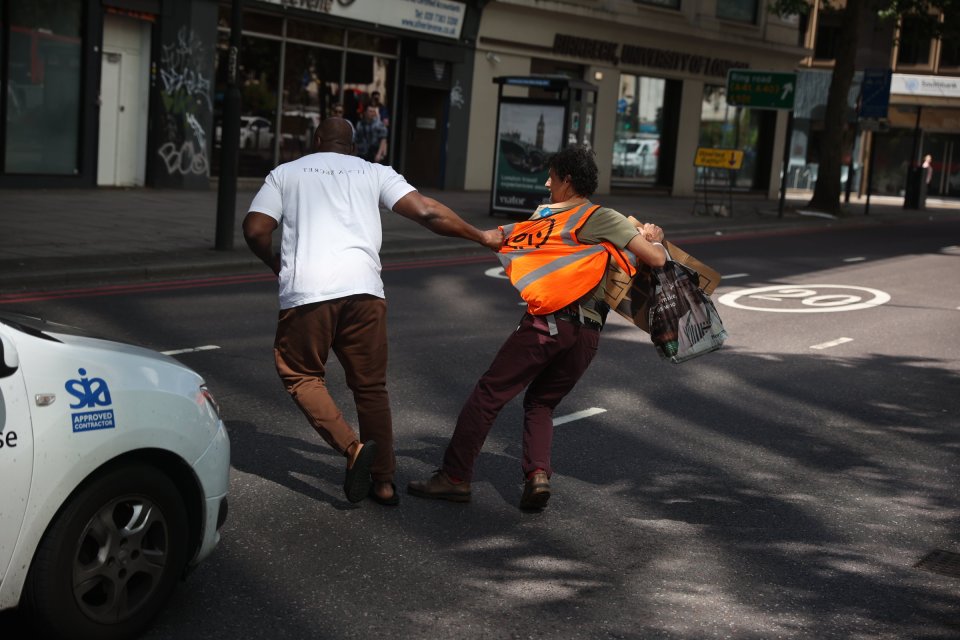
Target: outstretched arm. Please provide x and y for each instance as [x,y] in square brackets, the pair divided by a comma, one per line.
[258,231]
[440,219]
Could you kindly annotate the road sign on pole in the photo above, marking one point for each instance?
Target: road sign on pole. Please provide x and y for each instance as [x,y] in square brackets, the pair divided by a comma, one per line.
[875,93]
[761,89]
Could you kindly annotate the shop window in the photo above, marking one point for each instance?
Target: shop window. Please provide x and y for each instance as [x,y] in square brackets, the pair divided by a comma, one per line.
[364,75]
[737,10]
[667,4]
[311,88]
[43,87]
[252,22]
[637,131]
[258,79]
[312,32]
[914,43]
[828,34]
[726,127]
[360,41]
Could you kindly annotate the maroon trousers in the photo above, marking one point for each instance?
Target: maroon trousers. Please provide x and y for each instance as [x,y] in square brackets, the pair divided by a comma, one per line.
[355,327]
[547,366]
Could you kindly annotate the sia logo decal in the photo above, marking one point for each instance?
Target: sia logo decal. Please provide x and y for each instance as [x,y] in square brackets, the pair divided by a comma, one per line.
[90,394]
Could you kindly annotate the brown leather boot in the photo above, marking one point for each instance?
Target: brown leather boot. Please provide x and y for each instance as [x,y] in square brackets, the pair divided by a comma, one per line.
[536,491]
[440,487]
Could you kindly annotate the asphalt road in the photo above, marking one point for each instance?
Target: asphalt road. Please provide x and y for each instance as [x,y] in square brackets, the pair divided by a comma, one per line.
[783,487]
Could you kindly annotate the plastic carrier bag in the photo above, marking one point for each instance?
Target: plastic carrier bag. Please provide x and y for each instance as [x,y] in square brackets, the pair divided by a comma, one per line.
[683,322]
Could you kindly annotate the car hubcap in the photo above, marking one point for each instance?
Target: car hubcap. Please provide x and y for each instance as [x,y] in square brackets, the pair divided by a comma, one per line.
[121,557]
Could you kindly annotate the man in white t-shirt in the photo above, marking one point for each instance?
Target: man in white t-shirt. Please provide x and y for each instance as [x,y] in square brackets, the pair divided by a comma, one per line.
[331,295]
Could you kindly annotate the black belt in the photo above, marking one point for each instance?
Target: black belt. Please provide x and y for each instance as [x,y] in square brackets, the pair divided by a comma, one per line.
[589,323]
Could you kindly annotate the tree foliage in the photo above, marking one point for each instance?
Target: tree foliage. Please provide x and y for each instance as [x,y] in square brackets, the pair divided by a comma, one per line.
[929,19]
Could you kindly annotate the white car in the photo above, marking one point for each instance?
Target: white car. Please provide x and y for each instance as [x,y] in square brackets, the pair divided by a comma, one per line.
[114,468]
[255,133]
[635,158]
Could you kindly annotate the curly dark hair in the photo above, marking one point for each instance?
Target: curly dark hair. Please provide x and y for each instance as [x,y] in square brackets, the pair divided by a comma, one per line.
[577,162]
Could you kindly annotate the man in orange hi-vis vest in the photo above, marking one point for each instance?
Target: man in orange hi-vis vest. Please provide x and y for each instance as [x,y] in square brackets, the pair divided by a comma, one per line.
[558,261]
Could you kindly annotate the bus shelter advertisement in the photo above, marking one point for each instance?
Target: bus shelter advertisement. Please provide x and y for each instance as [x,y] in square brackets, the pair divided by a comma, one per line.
[528,134]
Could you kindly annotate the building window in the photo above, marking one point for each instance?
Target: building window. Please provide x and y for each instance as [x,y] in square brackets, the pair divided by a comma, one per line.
[828,34]
[737,10]
[326,70]
[950,53]
[639,122]
[914,44]
[725,127]
[43,87]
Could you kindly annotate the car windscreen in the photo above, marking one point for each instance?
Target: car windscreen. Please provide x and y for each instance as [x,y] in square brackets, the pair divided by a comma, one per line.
[40,327]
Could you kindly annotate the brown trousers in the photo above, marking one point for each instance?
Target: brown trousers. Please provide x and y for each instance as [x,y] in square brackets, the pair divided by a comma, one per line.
[355,327]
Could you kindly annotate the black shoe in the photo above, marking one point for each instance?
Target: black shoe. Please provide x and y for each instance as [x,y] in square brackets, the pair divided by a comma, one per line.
[536,492]
[440,487]
[357,482]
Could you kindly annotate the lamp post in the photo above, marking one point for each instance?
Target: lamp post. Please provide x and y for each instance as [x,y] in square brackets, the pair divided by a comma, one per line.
[229,139]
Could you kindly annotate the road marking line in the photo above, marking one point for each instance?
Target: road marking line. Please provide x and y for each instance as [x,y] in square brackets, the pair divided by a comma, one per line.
[734,275]
[857,259]
[176,352]
[586,413]
[832,343]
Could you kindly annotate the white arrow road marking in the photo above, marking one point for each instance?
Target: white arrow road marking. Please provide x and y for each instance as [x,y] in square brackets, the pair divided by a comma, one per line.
[586,413]
[176,352]
[832,343]
[495,272]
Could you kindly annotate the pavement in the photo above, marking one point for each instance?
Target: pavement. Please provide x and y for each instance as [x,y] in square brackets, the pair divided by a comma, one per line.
[69,238]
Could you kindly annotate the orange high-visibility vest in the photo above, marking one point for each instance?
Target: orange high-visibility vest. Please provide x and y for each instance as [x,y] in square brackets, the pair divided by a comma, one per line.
[549,266]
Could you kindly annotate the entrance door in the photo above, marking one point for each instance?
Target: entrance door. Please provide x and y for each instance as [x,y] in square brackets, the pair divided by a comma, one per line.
[426,125]
[945,150]
[121,159]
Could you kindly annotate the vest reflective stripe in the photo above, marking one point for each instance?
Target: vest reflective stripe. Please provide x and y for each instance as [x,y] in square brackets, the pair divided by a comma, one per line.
[556,265]
[578,217]
[549,266]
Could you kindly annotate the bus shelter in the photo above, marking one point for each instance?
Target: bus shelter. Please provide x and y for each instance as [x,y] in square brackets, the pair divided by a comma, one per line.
[558,111]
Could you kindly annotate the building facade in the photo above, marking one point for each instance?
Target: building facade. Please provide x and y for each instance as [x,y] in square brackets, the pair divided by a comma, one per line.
[923,117]
[660,67]
[119,93]
[123,93]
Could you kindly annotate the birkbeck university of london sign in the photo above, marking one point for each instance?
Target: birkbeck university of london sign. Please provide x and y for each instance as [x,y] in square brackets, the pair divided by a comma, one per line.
[665,59]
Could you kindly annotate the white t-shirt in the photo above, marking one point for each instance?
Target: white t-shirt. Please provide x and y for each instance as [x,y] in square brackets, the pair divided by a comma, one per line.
[328,208]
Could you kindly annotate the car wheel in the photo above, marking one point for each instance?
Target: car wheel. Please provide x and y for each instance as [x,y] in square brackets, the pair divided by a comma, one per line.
[111,558]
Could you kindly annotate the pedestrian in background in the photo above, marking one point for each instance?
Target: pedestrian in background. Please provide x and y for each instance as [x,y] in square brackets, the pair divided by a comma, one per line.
[558,260]
[331,293]
[927,169]
[382,110]
[371,136]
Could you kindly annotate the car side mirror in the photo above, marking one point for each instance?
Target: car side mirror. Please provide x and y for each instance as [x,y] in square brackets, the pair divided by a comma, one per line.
[9,360]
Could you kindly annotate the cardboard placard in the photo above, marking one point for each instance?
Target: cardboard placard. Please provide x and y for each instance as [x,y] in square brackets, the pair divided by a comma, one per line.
[630,297]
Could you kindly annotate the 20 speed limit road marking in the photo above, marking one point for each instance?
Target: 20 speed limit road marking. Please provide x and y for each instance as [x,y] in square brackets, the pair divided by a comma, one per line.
[805,298]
